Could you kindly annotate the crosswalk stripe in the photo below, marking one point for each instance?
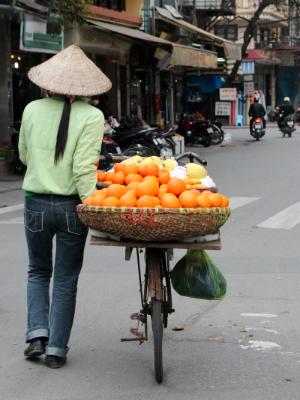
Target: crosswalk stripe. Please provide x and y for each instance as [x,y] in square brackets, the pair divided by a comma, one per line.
[5,210]
[236,202]
[285,219]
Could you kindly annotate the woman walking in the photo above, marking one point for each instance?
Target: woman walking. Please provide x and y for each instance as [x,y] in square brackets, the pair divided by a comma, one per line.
[59,143]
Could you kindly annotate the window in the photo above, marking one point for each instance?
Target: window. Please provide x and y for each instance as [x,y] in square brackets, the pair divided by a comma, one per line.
[118,5]
[227,31]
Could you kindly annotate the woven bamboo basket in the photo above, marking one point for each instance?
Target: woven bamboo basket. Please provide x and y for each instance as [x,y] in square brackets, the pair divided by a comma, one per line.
[154,224]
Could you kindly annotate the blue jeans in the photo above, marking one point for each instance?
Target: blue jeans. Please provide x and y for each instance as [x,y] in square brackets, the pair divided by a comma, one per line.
[46,217]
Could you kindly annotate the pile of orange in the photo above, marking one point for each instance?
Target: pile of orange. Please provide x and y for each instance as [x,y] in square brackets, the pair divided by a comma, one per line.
[149,186]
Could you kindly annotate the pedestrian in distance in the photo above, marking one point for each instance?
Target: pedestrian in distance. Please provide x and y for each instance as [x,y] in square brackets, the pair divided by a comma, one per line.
[60,139]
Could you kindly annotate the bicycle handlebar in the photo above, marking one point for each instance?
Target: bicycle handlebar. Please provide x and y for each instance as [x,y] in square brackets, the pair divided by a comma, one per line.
[190,155]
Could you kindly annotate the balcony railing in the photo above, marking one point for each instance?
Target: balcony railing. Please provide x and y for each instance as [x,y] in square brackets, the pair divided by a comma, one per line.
[217,6]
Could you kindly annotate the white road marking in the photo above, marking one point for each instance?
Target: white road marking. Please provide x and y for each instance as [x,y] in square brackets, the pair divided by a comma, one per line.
[260,345]
[17,207]
[248,329]
[236,202]
[285,219]
[259,315]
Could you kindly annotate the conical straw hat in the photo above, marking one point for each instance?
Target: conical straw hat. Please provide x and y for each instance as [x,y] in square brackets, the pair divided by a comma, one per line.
[70,72]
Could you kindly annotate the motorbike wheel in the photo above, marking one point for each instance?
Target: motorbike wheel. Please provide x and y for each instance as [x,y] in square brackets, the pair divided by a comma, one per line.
[139,150]
[218,135]
[206,141]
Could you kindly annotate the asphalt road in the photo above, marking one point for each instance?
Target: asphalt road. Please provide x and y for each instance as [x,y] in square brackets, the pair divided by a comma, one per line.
[244,347]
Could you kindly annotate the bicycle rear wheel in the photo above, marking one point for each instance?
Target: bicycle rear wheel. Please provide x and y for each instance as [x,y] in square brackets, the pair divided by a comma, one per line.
[157,328]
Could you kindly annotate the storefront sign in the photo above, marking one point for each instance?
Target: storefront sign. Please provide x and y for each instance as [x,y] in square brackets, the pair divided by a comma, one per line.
[248,78]
[222,108]
[186,56]
[35,36]
[228,94]
[249,88]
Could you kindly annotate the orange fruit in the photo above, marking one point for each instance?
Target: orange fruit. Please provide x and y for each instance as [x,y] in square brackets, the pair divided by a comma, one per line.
[216,199]
[206,192]
[118,167]
[100,175]
[132,185]
[162,190]
[151,178]
[225,201]
[104,191]
[98,199]
[164,176]
[88,201]
[195,192]
[169,200]
[119,177]
[130,169]
[150,169]
[176,186]
[128,199]
[116,190]
[133,178]
[203,201]
[157,201]
[141,169]
[147,187]
[109,176]
[131,192]
[188,199]
[96,192]
[110,202]
[108,182]
[146,201]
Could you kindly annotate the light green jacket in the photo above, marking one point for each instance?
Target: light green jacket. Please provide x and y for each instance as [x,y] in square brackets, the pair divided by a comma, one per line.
[75,173]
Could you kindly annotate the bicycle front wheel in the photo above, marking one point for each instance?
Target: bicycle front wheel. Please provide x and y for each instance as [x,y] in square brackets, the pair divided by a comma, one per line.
[157,328]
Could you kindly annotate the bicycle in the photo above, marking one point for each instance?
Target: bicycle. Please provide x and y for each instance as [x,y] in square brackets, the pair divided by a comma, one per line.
[155,288]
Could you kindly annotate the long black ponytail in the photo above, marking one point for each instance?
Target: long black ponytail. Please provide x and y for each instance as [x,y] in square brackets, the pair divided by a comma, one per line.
[62,134]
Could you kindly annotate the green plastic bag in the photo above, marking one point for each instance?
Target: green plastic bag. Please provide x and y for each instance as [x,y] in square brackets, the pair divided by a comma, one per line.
[196,275]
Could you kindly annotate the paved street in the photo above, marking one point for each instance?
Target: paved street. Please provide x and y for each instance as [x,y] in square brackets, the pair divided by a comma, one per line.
[244,347]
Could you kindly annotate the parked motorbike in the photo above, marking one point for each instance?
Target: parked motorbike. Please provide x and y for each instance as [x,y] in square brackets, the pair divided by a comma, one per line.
[287,126]
[216,132]
[131,139]
[257,129]
[194,131]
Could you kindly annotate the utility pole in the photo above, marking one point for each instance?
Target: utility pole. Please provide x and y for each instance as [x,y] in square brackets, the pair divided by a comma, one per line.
[194,16]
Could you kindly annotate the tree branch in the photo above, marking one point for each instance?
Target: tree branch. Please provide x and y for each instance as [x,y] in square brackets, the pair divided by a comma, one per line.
[248,36]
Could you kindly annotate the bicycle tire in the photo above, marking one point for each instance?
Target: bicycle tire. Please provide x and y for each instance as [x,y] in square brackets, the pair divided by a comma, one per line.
[157,328]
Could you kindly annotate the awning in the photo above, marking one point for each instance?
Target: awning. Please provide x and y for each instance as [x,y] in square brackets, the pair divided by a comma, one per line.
[232,50]
[179,55]
[129,32]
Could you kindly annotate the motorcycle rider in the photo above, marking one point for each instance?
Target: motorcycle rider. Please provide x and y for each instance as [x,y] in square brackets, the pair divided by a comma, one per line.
[257,110]
[285,109]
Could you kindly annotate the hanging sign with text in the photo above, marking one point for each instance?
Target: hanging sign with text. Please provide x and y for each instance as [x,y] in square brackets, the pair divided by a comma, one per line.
[249,88]
[228,94]
[223,108]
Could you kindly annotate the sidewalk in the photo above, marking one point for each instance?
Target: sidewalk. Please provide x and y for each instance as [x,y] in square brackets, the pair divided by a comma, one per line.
[10,183]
